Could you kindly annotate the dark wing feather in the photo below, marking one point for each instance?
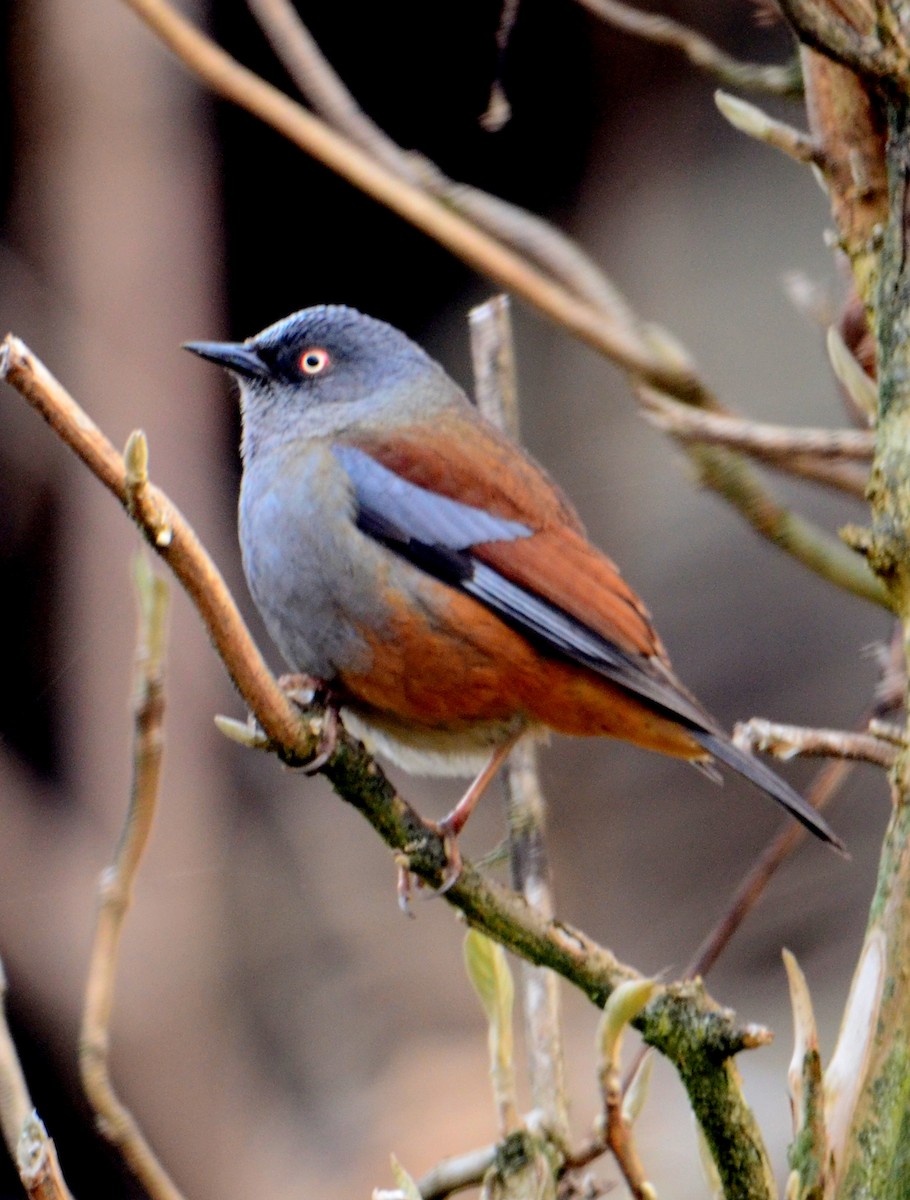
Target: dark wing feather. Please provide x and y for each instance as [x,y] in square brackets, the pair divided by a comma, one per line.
[420,515]
[437,534]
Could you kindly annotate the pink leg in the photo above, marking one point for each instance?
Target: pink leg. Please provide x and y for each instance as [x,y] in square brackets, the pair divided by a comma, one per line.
[452,825]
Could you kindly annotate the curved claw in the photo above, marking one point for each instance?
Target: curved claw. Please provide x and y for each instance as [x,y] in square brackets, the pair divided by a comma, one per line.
[403,888]
[303,690]
[328,741]
[308,693]
[453,869]
[454,863]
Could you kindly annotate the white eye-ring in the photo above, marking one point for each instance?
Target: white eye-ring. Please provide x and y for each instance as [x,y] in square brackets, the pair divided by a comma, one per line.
[314,360]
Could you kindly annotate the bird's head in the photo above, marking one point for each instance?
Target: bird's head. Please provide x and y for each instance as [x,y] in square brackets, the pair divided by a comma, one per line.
[326,369]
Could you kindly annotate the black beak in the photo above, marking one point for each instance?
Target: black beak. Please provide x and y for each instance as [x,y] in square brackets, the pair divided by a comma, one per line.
[233,356]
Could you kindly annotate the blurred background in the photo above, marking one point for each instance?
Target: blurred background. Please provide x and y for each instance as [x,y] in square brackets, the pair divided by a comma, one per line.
[279,1028]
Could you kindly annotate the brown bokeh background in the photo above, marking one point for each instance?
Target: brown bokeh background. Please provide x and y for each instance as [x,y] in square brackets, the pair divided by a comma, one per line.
[279,1027]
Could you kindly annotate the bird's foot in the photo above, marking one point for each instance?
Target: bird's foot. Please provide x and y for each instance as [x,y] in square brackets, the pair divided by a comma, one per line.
[303,690]
[452,868]
[454,863]
[308,693]
[448,829]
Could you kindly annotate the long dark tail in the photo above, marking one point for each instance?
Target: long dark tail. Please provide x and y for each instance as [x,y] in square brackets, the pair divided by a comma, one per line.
[762,776]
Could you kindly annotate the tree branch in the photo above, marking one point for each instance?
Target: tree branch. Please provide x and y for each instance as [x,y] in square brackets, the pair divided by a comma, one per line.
[699,50]
[496,388]
[755,123]
[823,455]
[115,890]
[826,556]
[480,250]
[788,740]
[26,1139]
[822,28]
[536,239]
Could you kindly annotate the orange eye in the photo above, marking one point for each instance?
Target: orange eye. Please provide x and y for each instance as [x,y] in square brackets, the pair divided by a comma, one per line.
[314,361]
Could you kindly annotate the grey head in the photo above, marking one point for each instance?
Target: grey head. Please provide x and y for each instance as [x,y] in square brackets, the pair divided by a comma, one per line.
[325,369]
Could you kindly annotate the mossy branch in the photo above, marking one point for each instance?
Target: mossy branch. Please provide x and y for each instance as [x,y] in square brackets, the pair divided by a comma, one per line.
[860,113]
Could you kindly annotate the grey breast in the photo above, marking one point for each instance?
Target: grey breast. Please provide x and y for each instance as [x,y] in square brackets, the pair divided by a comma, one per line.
[312,574]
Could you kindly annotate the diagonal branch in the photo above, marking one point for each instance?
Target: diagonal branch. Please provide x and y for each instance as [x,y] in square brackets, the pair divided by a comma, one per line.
[788,740]
[507,268]
[699,50]
[543,244]
[729,476]
[682,1021]
[824,455]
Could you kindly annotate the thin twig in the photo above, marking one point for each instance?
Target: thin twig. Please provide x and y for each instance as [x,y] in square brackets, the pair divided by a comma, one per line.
[493,361]
[785,741]
[829,780]
[823,455]
[496,387]
[39,1168]
[682,1021]
[15,1102]
[755,123]
[699,50]
[299,52]
[499,111]
[115,890]
[539,241]
[829,557]
[826,784]
[484,253]
[753,886]
[26,1139]
[619,1138]
[182,550]
[614,1125]
[767,441]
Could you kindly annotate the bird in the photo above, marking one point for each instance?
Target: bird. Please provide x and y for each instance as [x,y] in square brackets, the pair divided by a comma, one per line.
[430,577]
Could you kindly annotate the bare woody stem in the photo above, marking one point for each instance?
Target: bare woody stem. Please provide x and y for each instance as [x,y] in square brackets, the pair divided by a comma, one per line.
[878,1125]
[731,478]
[825,455]
[496,388]
[682,1021]
[26,1139]
[786,740]
[116,887]
[699,50]
[503,265]
[824,29]
[543,245]
[755,883]
[860,113]
[172,538]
